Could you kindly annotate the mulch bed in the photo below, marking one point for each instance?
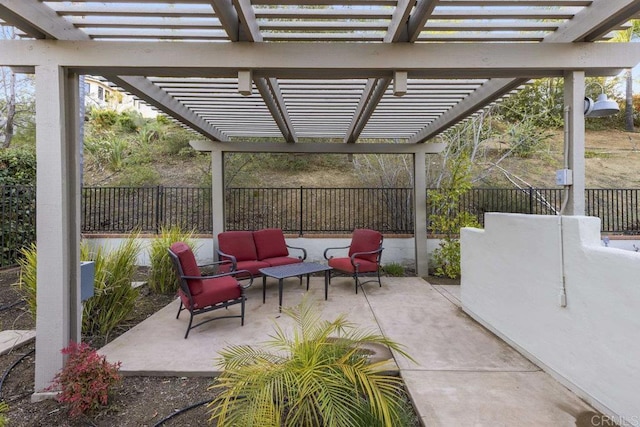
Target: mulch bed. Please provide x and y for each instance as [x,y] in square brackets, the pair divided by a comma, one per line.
[138,401]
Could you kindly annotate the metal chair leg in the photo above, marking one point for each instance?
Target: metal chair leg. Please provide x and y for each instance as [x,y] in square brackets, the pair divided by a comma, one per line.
[179,310]
[189,327]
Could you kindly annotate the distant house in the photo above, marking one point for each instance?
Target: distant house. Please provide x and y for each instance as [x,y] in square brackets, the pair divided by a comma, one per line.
[100,93]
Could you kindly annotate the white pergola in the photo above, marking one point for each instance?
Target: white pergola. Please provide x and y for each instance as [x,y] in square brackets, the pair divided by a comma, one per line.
[355,74]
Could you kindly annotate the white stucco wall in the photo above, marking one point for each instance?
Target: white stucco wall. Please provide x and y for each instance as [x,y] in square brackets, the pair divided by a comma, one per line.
[512,283]
[396,250]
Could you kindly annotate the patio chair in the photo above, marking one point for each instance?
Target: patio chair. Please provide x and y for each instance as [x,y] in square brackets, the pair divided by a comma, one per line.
[364,256]
[200,294]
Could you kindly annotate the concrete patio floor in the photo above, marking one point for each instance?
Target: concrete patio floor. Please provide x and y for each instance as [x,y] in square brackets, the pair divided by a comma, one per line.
[464,374]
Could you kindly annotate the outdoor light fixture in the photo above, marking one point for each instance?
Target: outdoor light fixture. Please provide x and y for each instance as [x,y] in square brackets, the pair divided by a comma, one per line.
[400,83]
[602,107]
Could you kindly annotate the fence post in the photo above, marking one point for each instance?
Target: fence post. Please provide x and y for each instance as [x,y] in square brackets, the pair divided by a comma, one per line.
[530,199]
[300,231]
[158,209]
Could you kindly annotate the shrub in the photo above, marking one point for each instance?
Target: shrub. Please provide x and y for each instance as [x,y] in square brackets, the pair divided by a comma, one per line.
[27,283]
[176,140]
[130,121]
[162,278]
[114,297]
[17,166]
[107,149]
[103,118]
[86,379]
[449,220]
[321,375]
[394,269]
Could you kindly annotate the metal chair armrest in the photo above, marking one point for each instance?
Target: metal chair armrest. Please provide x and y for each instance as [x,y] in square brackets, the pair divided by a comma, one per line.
[358,254]
[232,258]
[330,249]
[304,251]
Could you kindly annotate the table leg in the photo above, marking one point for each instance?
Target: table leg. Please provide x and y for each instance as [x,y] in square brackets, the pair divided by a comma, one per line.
[308,281]
[326,284]
[280,294]
[264,288]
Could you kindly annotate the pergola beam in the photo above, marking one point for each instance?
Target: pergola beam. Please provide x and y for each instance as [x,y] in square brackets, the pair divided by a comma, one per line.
[147,91]
[239,22]
[473,102]
[589,24]
[320,60]
[399,30]
[38,20]
[317,148]
[595,21]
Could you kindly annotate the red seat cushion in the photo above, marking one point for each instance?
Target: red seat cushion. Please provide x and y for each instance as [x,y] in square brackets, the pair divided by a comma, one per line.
[283,260]
[364,240]
[189,266]
[270,243]
[214,291]
[344,264]
[239,244]
[253,267]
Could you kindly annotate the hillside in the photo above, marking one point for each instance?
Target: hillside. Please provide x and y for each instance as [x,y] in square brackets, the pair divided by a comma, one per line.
[612,161]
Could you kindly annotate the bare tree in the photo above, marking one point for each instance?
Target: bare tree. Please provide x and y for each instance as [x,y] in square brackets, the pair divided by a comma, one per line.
[9,108]
[16,97]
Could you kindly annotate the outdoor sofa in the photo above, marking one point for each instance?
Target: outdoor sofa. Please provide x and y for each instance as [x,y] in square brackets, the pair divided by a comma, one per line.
[253,250]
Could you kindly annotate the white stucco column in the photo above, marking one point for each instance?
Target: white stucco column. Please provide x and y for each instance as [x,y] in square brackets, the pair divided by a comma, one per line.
[217,196]
[57,219]
[420,212]
[574,99]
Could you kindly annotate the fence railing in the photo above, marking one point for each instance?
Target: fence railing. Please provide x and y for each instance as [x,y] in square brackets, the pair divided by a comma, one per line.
[320,210]
[17,221]
[294,210]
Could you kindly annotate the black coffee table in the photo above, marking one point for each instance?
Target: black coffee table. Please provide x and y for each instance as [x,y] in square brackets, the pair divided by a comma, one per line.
[291,270]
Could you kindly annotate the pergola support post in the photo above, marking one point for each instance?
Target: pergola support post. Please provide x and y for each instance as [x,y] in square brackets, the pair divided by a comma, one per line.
[420,212]
[574,99]
[217,196]
[57,221]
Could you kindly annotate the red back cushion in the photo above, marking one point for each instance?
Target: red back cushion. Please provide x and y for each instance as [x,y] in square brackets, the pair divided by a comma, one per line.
[270,243]
[364,240]
[239,244]
[189,266]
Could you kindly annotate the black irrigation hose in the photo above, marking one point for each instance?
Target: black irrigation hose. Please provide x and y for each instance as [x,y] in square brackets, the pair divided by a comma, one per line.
[180,411]
[6,373]
[13,304]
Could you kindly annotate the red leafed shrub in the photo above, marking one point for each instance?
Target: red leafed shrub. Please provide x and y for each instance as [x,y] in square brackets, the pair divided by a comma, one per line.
[86,379]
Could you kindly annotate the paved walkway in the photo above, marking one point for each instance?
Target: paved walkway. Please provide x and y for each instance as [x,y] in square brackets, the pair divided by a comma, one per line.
[464,375]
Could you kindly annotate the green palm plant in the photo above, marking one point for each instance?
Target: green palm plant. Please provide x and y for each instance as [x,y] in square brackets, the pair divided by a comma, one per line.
[319,376]
[162,277]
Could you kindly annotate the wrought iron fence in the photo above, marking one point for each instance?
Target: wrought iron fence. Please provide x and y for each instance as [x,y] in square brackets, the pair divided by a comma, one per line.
[320,210]
[17,221]
[145,209]
[294,210]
